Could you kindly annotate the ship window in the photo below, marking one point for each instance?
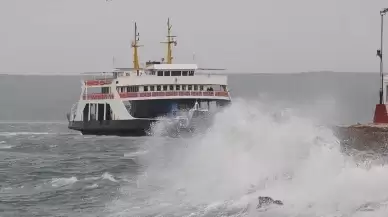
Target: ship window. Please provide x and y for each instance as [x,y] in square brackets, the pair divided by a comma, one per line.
[167,73]
[164,87]
[195,87]
[190,87]
[184,73]
[191,73]
[171,87]
[175,73]
[183,87]
[158,88]
[145,88]
[105,90]
[177,87]
[133,89]
[93,90]
[160,73]
[152,88]
[201,87]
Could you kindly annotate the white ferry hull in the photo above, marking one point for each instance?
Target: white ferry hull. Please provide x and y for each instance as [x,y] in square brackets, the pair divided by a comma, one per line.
[136,118]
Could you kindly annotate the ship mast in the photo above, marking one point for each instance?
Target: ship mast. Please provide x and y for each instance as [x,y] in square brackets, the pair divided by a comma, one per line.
[169,42]
[135,45]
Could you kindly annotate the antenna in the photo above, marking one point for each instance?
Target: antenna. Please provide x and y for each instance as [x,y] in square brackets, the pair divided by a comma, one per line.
[135,45]
[170,40]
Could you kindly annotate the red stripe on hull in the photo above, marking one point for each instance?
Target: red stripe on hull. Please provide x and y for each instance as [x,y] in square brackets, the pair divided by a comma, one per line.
[173,93]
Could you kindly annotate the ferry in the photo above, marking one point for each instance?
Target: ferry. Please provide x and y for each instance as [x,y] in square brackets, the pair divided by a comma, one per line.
[129,101]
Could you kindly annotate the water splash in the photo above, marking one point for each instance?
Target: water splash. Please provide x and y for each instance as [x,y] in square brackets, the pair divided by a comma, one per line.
[253,150]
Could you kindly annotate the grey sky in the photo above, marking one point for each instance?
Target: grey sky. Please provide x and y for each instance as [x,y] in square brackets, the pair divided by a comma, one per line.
[242,36]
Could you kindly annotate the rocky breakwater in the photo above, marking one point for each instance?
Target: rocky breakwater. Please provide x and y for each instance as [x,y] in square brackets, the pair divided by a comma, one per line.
[363,137]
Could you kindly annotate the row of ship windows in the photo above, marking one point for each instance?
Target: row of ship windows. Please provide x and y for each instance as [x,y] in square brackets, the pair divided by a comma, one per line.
[174,73]
[151,88]
[171,87]
[167,88]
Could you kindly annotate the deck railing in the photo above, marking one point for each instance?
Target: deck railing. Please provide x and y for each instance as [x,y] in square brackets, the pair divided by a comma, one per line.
[173,93]
[96,96]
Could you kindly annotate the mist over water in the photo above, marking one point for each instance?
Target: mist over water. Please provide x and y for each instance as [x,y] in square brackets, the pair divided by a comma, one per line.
[252,150]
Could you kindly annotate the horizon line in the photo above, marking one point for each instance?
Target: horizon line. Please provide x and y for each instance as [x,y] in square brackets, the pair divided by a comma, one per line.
[229,73]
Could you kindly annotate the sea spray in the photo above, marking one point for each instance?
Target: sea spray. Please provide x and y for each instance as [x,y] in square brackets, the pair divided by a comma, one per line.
[254,150]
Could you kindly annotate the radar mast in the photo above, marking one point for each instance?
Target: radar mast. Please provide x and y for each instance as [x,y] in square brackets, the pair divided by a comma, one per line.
[169,42]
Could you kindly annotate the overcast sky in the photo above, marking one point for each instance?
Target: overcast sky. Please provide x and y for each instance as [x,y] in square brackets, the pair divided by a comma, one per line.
[265,36]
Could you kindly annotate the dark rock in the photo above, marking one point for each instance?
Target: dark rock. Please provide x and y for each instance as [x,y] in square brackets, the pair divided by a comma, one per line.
[265,201]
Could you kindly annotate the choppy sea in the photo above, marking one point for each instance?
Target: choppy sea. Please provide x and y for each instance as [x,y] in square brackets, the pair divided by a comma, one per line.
[274,140]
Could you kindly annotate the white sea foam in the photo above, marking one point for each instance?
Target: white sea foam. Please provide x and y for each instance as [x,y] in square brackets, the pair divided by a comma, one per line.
[60,182]
[4,145]
[24,133]
[135,154]
[109,177]
[91,186]
[106,176]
